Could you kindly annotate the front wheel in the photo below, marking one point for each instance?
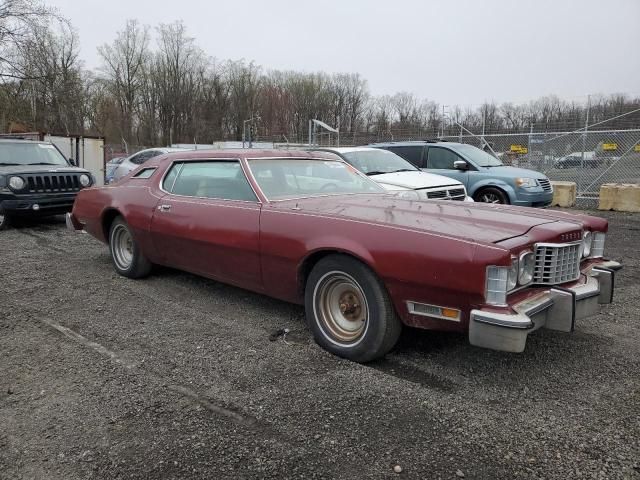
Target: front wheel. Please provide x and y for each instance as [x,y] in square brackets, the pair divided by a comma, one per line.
[5,221]
[349,310]
[126,256]
[491,195]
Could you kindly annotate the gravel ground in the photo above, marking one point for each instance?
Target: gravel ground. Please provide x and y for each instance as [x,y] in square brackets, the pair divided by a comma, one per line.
[175,377]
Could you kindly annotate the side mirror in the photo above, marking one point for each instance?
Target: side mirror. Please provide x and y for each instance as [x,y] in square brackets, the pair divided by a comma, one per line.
[460,165]
[73,162]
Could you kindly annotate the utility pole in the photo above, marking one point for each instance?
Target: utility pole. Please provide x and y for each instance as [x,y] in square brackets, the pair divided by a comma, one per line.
[529,146]
[244,130]
[584,143]
[484,118]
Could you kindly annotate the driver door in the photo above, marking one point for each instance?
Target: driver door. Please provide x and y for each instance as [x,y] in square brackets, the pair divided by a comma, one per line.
[440,160]
[208,222]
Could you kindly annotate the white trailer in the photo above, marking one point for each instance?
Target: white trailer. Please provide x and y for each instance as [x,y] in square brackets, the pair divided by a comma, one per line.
[87,152]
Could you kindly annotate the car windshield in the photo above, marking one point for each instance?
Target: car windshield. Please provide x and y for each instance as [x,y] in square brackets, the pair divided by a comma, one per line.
[378,161]
[280,179]
[16,153]
[479,157]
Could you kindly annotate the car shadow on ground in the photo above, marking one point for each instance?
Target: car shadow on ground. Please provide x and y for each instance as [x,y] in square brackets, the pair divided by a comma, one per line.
[38,224]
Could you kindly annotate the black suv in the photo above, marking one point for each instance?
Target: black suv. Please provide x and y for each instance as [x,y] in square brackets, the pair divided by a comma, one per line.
[37,180]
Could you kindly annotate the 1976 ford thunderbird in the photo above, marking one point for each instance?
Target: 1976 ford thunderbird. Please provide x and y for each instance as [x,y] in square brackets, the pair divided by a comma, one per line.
[306,227]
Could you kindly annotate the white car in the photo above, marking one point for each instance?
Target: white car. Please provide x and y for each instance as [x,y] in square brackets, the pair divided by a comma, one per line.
[394,173]
[134,161]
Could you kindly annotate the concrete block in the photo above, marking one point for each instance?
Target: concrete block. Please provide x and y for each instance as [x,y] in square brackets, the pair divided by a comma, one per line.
[564,194]
[623,197]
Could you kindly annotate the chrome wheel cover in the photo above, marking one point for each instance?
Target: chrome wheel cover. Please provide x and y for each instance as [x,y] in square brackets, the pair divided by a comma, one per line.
[340,308]
[122,247]
[489,198]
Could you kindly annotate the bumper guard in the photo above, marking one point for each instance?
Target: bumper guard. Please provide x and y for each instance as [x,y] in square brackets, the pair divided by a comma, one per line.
[555,309]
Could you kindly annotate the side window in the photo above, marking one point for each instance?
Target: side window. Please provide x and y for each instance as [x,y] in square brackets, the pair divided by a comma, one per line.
[145,173]
[144,156]
[212,179]
[441,158]
[411,153]
[170,178]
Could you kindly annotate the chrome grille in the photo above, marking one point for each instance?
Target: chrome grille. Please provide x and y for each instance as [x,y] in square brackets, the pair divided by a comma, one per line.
[449,194]
[557,263]
[545,184]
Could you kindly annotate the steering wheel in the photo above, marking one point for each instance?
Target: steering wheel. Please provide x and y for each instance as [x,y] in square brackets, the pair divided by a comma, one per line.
[329,187]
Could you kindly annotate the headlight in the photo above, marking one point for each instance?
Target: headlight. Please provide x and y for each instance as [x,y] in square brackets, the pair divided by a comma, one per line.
[500,281]
[526,182]
[496,287]
[587,238]
[512,280]
[597,245]
[85,180]
[16,183]
[408,194]
[526,266]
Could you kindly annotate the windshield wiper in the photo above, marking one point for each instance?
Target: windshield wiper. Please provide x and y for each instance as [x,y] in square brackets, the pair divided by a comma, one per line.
[43,163]
[405,170]
[5,163]
[376,172]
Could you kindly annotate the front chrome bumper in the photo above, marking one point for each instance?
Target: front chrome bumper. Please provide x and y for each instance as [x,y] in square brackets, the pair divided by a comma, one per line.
[556,309]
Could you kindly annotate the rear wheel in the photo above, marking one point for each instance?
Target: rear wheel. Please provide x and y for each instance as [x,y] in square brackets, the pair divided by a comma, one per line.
[491,195]
[126,256]
[349,310]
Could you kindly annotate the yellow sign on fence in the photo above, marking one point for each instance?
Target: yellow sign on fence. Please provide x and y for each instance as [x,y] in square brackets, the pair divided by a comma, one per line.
[521,149]
[609,147]
[637,148]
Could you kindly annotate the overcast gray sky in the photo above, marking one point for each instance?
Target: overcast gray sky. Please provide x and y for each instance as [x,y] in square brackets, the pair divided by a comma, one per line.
[454,52]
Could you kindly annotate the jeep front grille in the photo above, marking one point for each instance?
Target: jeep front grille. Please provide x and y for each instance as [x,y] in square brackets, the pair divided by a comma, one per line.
[52,183]
[557,263]
[447,194]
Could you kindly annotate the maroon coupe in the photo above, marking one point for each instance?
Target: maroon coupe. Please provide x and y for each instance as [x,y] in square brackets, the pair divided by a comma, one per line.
[306,227]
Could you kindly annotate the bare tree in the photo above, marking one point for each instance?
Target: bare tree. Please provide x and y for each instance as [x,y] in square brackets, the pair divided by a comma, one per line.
[19,19]
[122,69]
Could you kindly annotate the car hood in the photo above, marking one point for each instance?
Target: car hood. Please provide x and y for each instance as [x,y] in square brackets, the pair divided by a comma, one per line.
[16,169]
[514,172]
[413,180]
[478,222]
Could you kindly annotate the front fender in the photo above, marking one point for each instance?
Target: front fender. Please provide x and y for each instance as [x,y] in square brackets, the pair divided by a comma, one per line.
[496,183]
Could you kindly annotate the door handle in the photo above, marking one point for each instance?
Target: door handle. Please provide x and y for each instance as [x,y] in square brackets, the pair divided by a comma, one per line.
[164,208]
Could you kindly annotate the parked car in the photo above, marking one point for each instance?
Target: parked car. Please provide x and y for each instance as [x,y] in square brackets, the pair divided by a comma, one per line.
[110,168]
[485,177]
[306,227]
[36,180]
[576,160]
[134,161]
[394,173]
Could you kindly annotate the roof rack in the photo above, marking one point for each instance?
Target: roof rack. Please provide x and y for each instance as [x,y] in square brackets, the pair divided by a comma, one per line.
[435,140]
[13,137]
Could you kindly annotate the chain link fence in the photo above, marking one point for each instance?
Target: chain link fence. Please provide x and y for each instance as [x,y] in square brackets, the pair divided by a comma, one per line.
[588,158]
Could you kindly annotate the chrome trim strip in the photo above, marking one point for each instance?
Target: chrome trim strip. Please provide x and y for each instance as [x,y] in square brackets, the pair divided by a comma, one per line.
[518,321]
[200,160]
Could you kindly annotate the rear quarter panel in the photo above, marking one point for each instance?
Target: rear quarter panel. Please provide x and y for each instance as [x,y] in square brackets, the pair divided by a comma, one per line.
[134,200]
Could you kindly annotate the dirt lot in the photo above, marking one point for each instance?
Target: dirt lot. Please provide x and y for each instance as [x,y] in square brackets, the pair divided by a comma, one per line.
[175,377]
